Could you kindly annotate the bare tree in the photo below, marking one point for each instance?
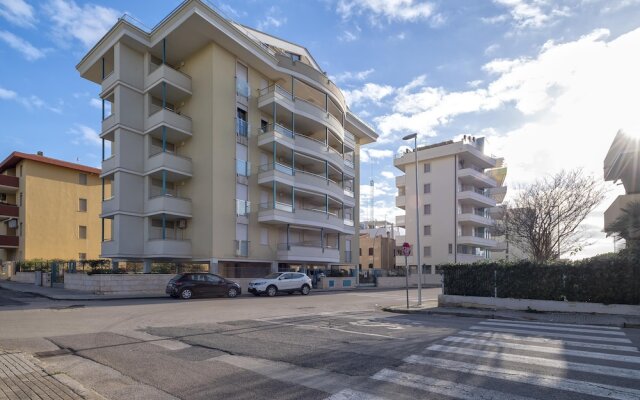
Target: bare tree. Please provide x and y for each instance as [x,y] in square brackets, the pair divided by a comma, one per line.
[543,219]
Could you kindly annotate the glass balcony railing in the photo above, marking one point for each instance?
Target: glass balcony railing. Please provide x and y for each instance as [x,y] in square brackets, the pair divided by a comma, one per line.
[242,248]
[243,168]
[243,208]
[242,127]
[242,88]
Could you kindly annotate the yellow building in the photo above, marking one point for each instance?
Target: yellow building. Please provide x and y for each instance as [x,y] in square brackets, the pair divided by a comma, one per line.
[49,209]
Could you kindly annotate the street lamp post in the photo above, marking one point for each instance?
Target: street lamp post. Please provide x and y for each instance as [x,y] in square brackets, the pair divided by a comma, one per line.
[414,136]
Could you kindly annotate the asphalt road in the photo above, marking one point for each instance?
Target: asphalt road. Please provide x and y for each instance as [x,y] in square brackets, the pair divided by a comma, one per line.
[336,345]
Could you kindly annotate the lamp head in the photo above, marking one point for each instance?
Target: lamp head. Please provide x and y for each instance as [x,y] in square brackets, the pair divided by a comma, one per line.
[410,136]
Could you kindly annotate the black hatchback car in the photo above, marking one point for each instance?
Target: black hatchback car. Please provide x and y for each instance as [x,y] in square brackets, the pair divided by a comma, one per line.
[189,285]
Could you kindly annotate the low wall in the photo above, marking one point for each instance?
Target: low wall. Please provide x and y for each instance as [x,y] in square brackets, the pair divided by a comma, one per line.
[346,283]
[400,282]
[494,303]
[24,277]
[118,283]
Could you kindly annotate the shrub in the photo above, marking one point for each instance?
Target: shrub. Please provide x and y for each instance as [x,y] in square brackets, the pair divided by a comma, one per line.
[608,279]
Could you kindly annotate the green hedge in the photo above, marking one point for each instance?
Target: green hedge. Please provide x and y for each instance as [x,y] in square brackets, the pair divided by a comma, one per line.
[604,279]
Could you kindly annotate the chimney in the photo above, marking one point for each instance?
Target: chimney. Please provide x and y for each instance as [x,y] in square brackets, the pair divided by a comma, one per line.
[40,153]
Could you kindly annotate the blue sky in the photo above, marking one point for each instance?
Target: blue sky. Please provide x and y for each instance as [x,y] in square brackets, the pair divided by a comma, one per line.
[547,82]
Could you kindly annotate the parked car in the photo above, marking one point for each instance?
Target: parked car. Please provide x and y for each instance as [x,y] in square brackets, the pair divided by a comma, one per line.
[273,283]
[189,285]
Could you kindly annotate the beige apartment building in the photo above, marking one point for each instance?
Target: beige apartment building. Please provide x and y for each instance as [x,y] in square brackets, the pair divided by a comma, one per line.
[377,245]
[49,209]
[459,186]
[622,163]
[224,145]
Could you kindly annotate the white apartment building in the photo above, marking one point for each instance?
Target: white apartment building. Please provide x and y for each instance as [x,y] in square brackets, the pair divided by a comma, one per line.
[223,145]
[459,187]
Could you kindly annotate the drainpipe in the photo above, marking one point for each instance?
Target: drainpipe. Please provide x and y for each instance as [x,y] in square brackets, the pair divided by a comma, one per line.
[164,51]
[164,139]
[102,149]
[288,245]
[164,95]
[103,69]
[455,209]
[164,226]
[164,182]
[102,188]
[102,231]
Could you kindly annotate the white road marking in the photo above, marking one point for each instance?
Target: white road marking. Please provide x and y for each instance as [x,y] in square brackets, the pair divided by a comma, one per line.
[552,328]
[349,394]
[613,328]
[445,388]
[571,385]
[543,349]
[507,336]
[375,324]
[551,334]
[544,362]
[307,326]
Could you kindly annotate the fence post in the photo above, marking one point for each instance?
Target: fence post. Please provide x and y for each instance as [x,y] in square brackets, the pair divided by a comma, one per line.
[495,283]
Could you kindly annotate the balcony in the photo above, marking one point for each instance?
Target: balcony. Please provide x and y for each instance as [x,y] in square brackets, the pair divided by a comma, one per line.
[468,258]
[474,219]
[477,241]
[109,81]
[167,248]
[283,214]
[615,209]
[109,123]
[169,161]
[109,206]
[275,93]
[9,242]
[178,85]
[475,197]
[400,181]
[400,221]
[9,184]
[401,202]
[169,118]
[307,252]
[168,204]
[9,210]
[109,248]
[110,164]
[474,175]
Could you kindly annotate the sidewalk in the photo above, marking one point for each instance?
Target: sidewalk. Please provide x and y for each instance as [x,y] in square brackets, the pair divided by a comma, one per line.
[566,318]
[22,378]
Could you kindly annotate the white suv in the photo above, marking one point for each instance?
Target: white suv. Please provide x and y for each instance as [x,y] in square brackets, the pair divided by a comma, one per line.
[281,282]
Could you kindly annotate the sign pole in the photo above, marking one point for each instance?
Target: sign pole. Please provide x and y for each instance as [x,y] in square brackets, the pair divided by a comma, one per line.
[406,279]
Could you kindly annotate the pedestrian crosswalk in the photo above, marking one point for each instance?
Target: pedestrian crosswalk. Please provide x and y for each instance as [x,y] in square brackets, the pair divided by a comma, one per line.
[499,359]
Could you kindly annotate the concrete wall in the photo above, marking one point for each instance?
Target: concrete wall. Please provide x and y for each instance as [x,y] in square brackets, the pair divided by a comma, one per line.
[538,305]
[399,281]
[337,283]
[24,277]
[118,283]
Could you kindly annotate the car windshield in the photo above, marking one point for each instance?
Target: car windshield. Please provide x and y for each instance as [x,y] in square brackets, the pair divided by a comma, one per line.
[177,277]
[274,275]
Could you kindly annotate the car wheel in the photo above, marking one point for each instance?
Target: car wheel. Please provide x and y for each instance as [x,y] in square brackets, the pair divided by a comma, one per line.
[305,290]
[232,292]
[186,294]
[271,291]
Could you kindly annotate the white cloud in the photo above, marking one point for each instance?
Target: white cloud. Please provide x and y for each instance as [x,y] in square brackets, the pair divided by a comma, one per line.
[348,76]
[86,23]
[272,20]
[95,103]
[6,94]
[388,174]
[29,52]
[367,154]
[530,13]
[18,12]
[370,92]
[392,10]
[347,36]
[491,49]
[85,135]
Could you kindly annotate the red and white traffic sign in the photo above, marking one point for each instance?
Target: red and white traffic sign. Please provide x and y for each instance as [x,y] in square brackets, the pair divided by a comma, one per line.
[406,249]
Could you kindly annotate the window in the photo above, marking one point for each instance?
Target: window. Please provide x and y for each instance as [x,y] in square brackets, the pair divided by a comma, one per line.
[264,125]
[370,266]
[82,179]
[370,251]
[427,230]
[214,279]
[450,248]
[427,167]
[82,205]
[294,56]
[427,209]
[20,231]
[82,232]
[264,236]
[427,188]
[82,256]
[427,251]
[360,252]
[156,145]
[242,126]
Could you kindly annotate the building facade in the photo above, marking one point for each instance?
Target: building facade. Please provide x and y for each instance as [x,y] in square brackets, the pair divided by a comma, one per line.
[49,209]
[377,245]
[224,145]
[458,185]
[622,163]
